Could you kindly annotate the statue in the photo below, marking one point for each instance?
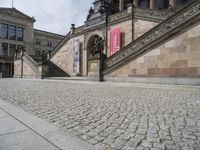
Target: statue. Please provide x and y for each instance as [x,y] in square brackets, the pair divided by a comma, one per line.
[91,11]
[43,55]
[98,47]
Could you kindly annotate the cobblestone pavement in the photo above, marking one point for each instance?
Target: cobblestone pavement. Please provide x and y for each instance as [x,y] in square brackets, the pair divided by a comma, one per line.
[113,117]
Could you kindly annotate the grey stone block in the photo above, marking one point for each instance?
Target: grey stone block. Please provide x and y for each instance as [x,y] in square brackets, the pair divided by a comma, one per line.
[10,125]
[25,140]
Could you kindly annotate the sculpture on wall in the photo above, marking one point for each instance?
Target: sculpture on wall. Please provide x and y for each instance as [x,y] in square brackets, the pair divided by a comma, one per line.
[90,13]
[98,47]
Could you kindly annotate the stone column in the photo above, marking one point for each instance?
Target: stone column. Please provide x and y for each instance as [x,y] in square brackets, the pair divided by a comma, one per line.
[3,69]
[172,3]
[152,4]
[11,70]
[121,5]
[135,3]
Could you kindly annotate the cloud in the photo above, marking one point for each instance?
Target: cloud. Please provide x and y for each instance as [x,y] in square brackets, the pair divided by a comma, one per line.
[53,15]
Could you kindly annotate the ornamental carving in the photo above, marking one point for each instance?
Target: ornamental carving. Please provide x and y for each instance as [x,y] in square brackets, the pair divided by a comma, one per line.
[144,13]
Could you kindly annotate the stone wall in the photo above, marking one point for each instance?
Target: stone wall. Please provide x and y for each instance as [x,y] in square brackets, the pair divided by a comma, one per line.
[64,57]
[142,26]
[28,71]
[179,57]
[139,28]
[126,33]
[17,68]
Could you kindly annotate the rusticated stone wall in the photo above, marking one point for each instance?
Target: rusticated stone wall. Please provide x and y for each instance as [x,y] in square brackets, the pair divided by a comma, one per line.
[179,57]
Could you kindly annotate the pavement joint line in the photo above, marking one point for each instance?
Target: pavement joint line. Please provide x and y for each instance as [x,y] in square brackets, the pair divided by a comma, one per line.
[52,134]
[14,132]
[30,127]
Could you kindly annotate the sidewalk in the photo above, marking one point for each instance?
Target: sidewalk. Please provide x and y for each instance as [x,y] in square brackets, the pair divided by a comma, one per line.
[22,131]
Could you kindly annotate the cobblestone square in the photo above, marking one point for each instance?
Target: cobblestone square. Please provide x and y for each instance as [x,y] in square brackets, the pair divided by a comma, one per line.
[113,116]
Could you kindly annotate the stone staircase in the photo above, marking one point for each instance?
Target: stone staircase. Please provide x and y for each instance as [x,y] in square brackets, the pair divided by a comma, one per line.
[169,28]
[54,70]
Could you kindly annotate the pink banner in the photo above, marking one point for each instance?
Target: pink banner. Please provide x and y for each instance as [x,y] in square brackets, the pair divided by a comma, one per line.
[115,39]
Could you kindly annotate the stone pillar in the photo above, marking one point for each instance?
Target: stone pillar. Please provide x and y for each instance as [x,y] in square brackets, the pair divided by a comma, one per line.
[172,3]
[3,69]
[1,66]
[121,5]
[11,70]
[135,3]
[152,4]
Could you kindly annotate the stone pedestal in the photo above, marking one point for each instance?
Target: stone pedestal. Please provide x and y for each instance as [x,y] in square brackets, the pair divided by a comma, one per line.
[94,69]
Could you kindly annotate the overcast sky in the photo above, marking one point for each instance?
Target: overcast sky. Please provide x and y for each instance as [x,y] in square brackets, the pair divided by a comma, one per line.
[53,15]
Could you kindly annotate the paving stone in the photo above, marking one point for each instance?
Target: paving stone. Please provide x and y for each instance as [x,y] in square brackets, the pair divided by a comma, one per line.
[168,117]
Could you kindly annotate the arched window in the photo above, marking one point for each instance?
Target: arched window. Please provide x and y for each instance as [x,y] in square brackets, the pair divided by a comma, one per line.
[162,4]
[144,3]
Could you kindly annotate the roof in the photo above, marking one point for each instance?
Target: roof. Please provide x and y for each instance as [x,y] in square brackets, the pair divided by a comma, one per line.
[15,13]
[49,33]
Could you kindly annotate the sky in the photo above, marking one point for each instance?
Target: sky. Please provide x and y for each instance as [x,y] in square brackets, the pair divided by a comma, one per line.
[53,15]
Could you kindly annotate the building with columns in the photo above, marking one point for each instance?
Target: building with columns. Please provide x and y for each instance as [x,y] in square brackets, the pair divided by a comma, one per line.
[17,32]
[148,41]
[151,4]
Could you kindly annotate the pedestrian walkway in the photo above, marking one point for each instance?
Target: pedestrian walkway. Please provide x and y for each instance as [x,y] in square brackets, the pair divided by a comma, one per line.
[22,131]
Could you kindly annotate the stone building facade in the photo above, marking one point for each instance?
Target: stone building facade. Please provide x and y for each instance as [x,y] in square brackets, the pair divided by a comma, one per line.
[154,42]
[17,32]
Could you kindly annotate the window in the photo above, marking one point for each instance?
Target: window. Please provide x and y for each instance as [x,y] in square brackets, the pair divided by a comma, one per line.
[20,34]
[144,3]
[38,42]
[179,2]
[3,30]
[12,49]
[4,49]
[12,32]
[49,44]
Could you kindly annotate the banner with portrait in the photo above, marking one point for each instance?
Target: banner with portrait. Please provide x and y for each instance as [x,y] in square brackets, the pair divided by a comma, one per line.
[76,57]
[115,40]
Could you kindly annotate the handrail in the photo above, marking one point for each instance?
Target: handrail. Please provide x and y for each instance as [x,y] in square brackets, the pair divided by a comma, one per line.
[30,59]
[174,24]
[32,62]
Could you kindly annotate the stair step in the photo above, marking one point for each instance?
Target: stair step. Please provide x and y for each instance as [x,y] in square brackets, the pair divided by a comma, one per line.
[67,78]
